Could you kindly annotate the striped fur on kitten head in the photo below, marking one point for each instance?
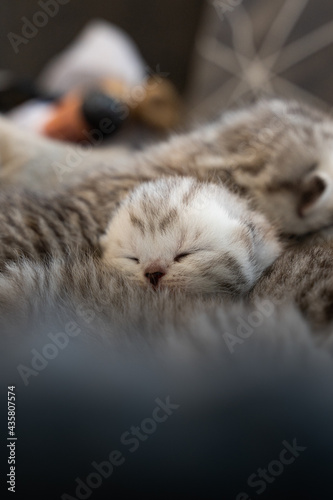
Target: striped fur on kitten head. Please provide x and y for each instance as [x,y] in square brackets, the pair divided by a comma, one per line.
[180,233]
[281,153]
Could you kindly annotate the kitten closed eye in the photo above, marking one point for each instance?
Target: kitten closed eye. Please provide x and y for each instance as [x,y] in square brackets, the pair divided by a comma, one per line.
[134,259]
[181,256]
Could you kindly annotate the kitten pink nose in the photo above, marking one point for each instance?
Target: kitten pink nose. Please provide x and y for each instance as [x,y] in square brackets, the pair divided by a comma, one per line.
[154,277]
[154,273]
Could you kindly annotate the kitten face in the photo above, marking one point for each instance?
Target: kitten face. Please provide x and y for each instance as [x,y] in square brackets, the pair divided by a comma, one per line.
[281,153]
[182,234]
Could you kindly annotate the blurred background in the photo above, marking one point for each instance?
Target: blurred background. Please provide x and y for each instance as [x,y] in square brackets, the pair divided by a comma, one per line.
[245,48]
[164,31]
[217,53]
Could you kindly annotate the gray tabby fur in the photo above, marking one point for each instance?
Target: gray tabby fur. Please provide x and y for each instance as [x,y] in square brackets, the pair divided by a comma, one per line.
[277,154]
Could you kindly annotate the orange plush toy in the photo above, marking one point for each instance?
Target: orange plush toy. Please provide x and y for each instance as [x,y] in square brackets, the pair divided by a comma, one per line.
[155,103]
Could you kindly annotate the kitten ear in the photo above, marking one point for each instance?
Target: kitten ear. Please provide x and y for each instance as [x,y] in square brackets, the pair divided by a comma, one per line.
[313,191]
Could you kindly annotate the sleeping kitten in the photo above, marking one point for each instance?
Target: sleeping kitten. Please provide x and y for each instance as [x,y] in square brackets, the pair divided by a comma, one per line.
[176,232]
[184,234]
[277,153]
